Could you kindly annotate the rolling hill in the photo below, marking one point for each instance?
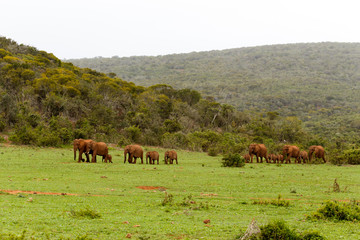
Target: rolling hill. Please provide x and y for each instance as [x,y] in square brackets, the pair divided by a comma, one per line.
[317,82]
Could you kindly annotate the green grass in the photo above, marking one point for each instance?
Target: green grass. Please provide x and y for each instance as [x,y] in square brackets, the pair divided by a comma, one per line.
[200,188]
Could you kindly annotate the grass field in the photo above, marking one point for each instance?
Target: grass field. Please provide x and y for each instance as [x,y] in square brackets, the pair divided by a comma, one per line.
[114,203]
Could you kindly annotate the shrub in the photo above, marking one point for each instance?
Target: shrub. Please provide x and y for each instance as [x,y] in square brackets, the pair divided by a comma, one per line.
[87,213]
[233,160]
[279,202]
[352,156]
[339,212]
[278,230]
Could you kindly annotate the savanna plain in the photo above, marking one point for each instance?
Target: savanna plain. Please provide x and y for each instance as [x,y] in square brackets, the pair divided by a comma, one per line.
[58,198]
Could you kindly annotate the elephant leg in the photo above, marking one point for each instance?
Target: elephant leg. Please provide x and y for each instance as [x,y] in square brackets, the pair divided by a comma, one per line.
[142,162]
[80,156]
[251,158]
[176,161]
[157,161]
[93,159]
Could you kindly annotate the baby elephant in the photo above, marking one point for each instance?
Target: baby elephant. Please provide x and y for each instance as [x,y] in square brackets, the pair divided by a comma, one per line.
[109,158]
[152,156]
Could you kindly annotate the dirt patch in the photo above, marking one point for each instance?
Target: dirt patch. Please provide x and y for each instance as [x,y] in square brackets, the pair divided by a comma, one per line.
[150,188]
[14,192]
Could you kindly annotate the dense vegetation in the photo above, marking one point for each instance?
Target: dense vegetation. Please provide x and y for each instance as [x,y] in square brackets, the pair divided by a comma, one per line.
[316,82]
[47,102]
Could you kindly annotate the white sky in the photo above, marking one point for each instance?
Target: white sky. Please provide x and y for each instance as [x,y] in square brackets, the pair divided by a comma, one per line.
[90,28]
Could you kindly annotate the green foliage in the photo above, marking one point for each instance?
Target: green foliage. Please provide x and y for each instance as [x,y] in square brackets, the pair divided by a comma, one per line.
[85,213]
[278,230]
[133,133]
[278,202]
[335,211]
[352,156]
[233,160]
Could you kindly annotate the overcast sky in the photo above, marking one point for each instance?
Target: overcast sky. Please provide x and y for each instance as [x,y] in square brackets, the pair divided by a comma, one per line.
[90,28]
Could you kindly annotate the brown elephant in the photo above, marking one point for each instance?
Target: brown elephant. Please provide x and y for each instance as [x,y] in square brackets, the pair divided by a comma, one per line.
[290,151]
[134,152]
[109,158]
[319,152]
[280,158]
[259,150]
[170,156]
[304,156]
[152,156]
[81,145]
[98,148]
[247,158]
[273,158]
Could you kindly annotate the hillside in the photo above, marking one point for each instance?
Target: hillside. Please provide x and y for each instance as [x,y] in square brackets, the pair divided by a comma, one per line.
[317,82]
[47,102]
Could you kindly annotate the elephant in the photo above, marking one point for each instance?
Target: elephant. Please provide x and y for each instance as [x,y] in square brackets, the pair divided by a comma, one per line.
[280,158]
[247,158]
[109,158]
[81,145]
[170,156]
[319,152]
[290,151]
[134,151]
[273,158]
[153,155]
[259,150]
[98,148]
[304,156]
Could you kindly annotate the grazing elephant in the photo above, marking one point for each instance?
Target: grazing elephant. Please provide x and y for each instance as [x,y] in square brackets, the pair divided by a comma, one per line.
[170,156]
[81,145]
[304,156]
[290,151]
[319,152]
[259,150]
[134,151]
[152,156]
[98,148]
[109,158]
[247,158]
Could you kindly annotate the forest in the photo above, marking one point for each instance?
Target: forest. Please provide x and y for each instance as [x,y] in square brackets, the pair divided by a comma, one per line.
[48,102]
[316,82]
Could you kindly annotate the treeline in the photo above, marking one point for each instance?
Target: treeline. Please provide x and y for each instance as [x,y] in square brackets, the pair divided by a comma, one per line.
[317,82]
[47,102]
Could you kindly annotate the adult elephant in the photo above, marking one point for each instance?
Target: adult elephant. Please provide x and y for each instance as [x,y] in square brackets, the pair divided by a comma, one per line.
[259,150]
[304,156]
[170,156]
[81,145]
[291,151]
[134,152]
[98,148]
[152,156]
[319,152]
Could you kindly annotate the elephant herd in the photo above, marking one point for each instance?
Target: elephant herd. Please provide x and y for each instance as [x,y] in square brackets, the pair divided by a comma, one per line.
[131,152]
[289,151]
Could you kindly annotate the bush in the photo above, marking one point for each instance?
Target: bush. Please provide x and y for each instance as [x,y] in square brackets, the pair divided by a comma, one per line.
[233,160]
[87,213]
[339,212]
[352,156]
[278,230]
